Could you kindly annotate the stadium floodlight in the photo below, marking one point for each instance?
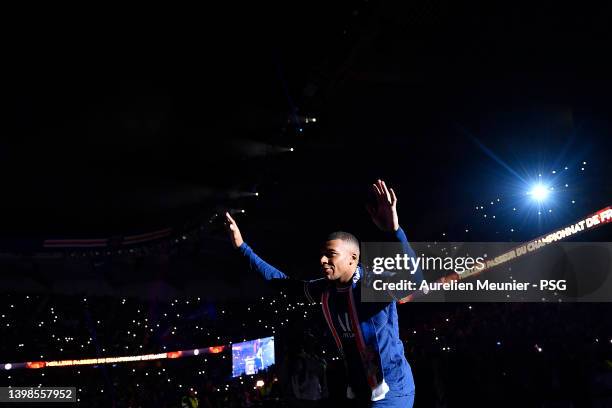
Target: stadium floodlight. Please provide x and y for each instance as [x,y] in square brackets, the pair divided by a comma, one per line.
[539,192]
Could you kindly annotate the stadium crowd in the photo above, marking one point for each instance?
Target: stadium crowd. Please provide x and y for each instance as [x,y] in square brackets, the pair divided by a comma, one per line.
[478,354]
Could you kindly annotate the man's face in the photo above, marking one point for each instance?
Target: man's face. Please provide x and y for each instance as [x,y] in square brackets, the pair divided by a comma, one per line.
[338,260]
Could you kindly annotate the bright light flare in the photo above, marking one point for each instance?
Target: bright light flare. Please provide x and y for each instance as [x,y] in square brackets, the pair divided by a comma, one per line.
[539,192]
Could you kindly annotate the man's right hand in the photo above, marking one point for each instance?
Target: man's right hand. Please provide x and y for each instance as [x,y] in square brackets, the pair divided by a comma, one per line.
[233,231]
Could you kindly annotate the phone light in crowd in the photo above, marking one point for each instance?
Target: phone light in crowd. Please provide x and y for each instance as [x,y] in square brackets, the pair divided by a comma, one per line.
[539,192]
[8,366]
[196,352]
[291,149]
[259,383]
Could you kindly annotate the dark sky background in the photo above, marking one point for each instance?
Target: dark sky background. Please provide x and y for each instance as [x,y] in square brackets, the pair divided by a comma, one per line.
[126,121]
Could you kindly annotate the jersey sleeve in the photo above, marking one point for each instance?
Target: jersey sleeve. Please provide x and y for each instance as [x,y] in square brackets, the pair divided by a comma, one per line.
[397,237]
[267,271]
[299,290]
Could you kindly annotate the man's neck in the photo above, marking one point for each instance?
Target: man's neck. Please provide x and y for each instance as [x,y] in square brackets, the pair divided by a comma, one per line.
[344,282]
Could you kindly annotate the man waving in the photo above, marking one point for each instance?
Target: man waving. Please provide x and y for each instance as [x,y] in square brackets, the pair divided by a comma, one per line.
[367,334]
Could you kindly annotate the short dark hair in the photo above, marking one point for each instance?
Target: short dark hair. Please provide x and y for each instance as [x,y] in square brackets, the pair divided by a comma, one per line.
[344,236]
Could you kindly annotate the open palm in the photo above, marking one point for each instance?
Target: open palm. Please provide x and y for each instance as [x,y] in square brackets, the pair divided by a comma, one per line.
[384,208]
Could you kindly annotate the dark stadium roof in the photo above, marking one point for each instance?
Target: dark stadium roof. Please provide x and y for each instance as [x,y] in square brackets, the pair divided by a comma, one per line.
[122,122]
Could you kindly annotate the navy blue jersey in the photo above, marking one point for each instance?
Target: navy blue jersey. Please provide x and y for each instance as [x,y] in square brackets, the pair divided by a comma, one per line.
[367,334]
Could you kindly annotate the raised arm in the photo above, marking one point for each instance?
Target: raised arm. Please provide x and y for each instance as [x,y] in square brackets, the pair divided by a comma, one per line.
[383,211]
[266,270]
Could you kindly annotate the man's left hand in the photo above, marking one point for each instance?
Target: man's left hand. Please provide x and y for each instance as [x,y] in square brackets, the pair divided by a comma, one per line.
[384,208]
